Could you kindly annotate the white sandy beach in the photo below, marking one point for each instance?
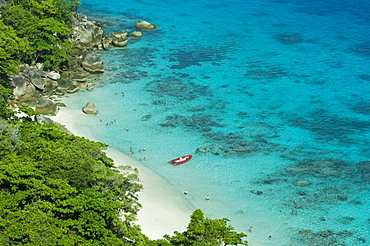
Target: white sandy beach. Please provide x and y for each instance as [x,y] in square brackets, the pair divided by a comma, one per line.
[165,209]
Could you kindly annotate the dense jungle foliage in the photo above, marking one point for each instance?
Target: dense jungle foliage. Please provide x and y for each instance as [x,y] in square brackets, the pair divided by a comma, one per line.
[57,188]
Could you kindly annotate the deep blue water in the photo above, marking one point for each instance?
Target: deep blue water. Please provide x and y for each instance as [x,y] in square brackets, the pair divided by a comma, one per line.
[262,93]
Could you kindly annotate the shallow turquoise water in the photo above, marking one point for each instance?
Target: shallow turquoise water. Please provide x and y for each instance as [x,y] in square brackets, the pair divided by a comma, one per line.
[272,91]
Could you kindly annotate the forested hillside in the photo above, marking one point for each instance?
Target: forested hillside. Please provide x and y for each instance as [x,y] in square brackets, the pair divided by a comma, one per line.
[59,189]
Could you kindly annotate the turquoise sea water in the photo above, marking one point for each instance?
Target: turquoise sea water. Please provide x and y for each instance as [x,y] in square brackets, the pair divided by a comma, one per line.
[262,93]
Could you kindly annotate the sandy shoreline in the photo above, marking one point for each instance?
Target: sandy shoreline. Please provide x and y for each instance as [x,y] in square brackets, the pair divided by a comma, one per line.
[165,209]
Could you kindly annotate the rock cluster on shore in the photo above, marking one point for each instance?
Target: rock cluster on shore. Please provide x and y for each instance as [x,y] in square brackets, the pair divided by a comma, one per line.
[35,87]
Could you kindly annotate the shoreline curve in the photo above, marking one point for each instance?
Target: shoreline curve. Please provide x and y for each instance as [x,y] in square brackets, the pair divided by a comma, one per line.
[164,208]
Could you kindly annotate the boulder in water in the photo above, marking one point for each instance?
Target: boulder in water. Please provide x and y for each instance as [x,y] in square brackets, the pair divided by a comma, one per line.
[144,25]
[257,192]
[137,34]
[302,182]
[119,38]
[90,108]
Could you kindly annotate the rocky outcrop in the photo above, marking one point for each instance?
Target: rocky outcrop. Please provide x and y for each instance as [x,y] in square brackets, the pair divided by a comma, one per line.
[137,34]
[34,82]
[86,35]
[64,82]
[144,25]
[79,75]
[51,85]
[31,80]
[41,119]
[72,89]
[92,62]
[47,107]
[37,78]
[53,75]
[20,83]
[90,108]
[89,86]
[118,39]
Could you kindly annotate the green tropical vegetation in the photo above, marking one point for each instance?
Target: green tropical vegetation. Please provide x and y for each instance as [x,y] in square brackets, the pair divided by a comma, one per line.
[57,188]
[43,26]
[206,232]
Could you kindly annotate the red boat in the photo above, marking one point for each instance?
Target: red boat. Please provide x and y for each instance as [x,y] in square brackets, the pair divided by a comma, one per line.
[180,160]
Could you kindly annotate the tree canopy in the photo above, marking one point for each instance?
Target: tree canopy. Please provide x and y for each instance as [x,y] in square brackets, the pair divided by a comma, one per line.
[11,49]
[57,187]
[203,231]
[32,31]
[43,26]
